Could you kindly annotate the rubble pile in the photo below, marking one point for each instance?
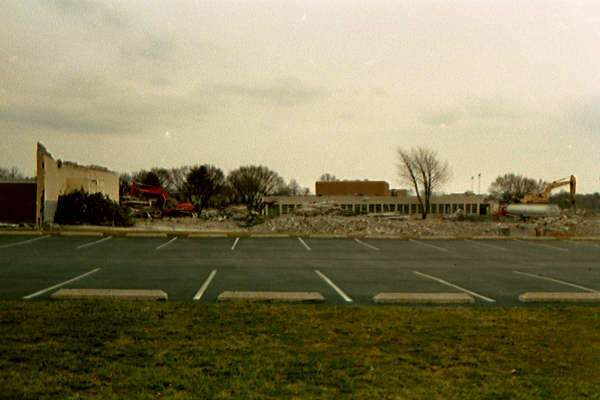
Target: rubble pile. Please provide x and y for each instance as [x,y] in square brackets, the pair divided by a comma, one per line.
[565,225]
[367,225]
[569,225]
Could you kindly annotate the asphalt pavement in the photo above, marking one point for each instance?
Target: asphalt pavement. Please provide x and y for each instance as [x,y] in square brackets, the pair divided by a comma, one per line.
[491,272]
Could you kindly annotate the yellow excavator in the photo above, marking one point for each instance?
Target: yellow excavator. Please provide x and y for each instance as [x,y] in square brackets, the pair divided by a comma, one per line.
[536,205]
[544,196]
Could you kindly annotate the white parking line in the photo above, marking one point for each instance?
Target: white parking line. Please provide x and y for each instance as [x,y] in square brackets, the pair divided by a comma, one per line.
[60,284]
[94,242]
[304,244]
[24,242]
[486,245]
[200,292]
[429,245]
[335,287]
[545,245]
[462,289]
[577,243]
[166,244]
[366,244]
[556,281]
[237,239]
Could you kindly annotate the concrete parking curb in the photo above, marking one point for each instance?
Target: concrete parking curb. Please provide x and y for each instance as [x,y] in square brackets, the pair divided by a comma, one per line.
[278,297]
[245,234]
[146,234]
[122,294]
[423,298]
[559,297]
[77,233]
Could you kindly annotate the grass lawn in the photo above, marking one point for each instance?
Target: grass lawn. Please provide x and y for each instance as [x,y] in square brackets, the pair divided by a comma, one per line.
[104,349]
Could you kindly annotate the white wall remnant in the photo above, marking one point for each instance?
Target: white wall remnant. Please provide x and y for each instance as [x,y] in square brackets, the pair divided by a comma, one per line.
[56,177]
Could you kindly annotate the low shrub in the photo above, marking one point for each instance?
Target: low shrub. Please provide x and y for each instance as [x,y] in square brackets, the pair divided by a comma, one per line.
[79,208]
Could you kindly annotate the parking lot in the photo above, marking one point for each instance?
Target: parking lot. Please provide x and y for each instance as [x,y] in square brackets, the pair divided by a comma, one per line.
[491,272]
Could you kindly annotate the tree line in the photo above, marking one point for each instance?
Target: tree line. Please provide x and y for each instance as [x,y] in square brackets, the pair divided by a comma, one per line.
[207,186]
[13,174]
[420,168]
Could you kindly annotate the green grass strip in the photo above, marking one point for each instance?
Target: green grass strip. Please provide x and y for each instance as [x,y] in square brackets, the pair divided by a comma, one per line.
[119,349]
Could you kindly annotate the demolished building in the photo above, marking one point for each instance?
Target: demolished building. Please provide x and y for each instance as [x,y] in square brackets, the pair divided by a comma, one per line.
[56,177]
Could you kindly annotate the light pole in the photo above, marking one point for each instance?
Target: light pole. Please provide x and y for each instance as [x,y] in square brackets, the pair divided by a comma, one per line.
[479,189]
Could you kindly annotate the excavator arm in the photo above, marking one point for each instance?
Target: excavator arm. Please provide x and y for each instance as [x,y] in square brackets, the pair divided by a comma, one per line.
[544,196]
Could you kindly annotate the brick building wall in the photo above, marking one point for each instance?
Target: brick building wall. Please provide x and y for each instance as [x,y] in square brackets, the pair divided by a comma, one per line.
[361,188]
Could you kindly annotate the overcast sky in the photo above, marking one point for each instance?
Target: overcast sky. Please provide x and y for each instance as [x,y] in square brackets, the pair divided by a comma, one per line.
[305,87]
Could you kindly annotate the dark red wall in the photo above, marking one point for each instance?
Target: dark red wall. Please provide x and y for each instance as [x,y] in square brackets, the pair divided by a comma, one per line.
[17,201]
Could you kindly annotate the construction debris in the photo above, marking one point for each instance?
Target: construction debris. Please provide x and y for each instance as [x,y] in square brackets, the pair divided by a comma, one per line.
[578,223]
[567,224]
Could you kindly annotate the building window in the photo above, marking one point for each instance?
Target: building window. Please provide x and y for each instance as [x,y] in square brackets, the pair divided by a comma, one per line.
[378,208]
[386,208]
[284,208]
[434,208]
[371,208]
[413,208]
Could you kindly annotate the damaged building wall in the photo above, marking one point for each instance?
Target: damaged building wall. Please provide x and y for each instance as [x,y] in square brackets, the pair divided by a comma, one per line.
[56,177]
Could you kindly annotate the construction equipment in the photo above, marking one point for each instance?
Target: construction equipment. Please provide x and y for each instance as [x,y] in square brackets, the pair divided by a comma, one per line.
[536,205]
[544,196]
[154,202]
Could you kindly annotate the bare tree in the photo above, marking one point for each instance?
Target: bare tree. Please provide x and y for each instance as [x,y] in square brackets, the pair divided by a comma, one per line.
[251,183]
[327,177]
[148,178]
[177,180]
[202,183]
[421,168]
[12,174]
[125,181]
[293,188]
[510,188]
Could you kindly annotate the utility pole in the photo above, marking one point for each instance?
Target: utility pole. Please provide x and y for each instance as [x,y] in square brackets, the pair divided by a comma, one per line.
[479,190]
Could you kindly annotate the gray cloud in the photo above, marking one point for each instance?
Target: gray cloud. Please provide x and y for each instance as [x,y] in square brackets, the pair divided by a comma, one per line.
[441,116]
[93,104]
[95,12]
[65,120]
[496,107]
[477,108]
[285,92]
[584,111]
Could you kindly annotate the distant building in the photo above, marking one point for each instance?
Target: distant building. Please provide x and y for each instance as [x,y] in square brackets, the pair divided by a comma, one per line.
[394,201]
[56,177]
[359,188]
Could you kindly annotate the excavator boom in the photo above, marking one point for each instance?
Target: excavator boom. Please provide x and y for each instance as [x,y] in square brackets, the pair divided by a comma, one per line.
[544,196]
